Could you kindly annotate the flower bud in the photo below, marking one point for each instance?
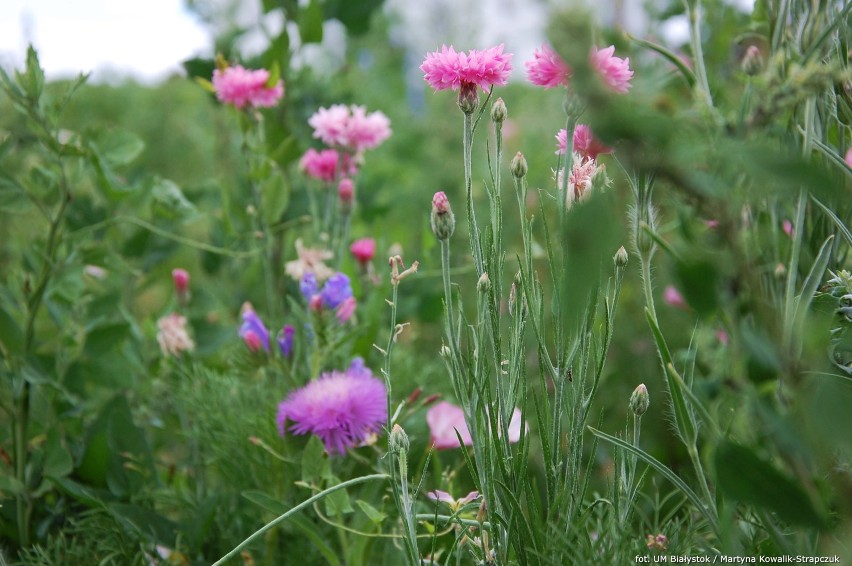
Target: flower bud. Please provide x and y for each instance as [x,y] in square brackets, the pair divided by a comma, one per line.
[415,395]
[752,63]
[620,257]
[398,440]
[484,283]
[443,221]
[519,165]
[346,194]
[468,97]
[639,400]
[498,111]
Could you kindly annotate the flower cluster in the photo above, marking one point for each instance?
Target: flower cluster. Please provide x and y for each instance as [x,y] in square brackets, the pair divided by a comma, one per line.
[242,87]
[342,408]
[335,295]
[549,70]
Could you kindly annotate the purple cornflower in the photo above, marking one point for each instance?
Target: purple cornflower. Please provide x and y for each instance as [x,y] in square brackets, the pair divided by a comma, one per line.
[336,290]
[285,340]
[341,408]
[308,285]
[253,331]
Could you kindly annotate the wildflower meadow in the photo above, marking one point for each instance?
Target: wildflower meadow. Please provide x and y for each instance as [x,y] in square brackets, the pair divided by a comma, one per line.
[455,306]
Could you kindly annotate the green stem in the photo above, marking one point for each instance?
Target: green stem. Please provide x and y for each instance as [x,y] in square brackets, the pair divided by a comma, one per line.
[647,287]
[467,143]
[306,503]
[448,296]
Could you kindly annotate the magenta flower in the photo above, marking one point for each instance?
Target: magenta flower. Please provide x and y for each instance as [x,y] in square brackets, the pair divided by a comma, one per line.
[180,277]
[346,309]
[241,87]
[614,71]
[584,142]
[346,190]
[363,250]
[448,69]
[350,127]
[341,408]
[547,68]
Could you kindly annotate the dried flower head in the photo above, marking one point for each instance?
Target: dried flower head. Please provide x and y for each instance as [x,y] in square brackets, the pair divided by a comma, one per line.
[173,336]
[309,260]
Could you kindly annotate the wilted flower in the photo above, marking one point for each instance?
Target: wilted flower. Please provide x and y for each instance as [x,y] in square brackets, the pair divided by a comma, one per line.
[448,69]
[659,542]
[547,68]
[363,250]
[241,87]
[309,260]
[173,336]
[341,408]
[614,71]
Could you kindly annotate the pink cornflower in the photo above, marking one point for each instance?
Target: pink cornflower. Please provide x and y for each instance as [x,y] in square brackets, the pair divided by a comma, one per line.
[342,408]
[363,250]
[448,69]
[241,87]
[673,298]
[580,179]
[547,68]
[321,165]
[614,71]
[350,127]
[584,142]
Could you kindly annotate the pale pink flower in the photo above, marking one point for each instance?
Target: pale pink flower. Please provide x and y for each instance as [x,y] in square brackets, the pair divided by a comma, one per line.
[321,165]
[547,68]
[448,69]
[363,250]
[580,179]
[722,337]
[173,336]
[346,309]
[242,87]
[452,502]
[309,260]
[787,226]
[444,419]
[711,224]
[848,158]
[350,127]
[673,298]
[584,142]
[614,71]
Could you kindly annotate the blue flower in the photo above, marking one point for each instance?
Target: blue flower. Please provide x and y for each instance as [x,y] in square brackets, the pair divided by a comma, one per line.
[336,290]
[253,330]
[308,286]
[285,340]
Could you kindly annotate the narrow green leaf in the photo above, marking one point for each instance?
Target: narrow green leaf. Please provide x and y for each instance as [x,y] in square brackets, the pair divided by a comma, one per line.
[665,471]
[310,22]
[743,476]
[374,515]
[841,226]
[268,502]
[687,73]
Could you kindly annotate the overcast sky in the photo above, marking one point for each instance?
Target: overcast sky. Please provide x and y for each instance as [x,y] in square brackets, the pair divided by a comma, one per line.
[146,40]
